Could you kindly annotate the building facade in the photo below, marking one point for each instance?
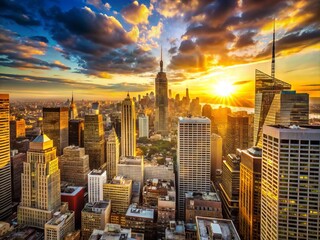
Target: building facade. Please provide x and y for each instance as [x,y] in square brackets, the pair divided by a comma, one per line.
[250,193]
[131,168]
[143,126]
[216,156]
[290,183]
[112,154]
[128,127]
[74,166]
[76,132]
[94,142]
[96,179]
[5,166]
[193,158]
[55,126]
[40,189]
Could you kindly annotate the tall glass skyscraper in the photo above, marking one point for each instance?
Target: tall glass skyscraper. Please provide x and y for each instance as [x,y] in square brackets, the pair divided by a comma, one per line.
[5,170]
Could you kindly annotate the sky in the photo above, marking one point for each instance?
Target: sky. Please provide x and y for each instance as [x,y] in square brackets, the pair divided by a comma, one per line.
[102,49]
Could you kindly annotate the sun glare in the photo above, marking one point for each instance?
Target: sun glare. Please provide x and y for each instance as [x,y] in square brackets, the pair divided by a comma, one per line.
[223,89]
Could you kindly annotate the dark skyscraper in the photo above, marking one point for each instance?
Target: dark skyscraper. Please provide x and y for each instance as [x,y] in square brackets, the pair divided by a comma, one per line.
[161,103]
[76,131]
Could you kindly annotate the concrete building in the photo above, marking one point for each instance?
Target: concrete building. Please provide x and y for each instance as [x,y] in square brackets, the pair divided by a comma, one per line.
[96,179]
[55,126]
[290,183]
[154,189]
[94,142]
[193,158]
[141,220]
[76,132]
[250,193]
[119,191]
[112,232]
[166,212]
[112,154]
[152,170]
[216,228]
[216,156]
[94,216]
[175,231]
[128,127]
[74,196]
[59,226]
[276,104]
[161,101]
[230,184]
[40,189]
[204,204]
[74,166]
[143,126]
[132,168]
[5,167]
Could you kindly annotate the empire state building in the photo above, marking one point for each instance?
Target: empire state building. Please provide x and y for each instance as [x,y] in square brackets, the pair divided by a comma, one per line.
[161,103]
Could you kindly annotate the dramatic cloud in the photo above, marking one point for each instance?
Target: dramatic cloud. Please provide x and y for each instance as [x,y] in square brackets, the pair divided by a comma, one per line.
[16,12]
[136,14]
[19,52]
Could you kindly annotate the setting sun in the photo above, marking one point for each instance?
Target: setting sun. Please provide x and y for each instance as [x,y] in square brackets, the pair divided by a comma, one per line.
[223,88]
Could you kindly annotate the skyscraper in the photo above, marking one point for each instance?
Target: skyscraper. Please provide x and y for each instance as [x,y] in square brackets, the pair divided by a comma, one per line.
[250,193]
[5,168]
[112,154]
[290,183]
[76,132]
[55,126]
[94,142]
[40,189]
[216,155]
[161,103]
[143,126]
[128,127]
[193,158]
[73,113]
[96,179]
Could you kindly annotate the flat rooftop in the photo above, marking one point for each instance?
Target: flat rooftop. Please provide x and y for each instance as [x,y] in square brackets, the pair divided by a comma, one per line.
[96,172]
[155,184]
[194,120]
[134,211]
[96,207]
[59,218]
[71,191]
[216,228]
[131,160]
[120,180]
[207,196]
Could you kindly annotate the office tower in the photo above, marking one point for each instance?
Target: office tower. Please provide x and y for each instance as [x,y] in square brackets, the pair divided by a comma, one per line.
[141,220]
[61,224]
[74,166]
[74,196]
[5,168]
[17,129]
[17,160]
[290,183]
[112,154]
[161,103]
[250,193]
[204,204]
[238,131]
[143,126]
[216,228]
[230,183]
[40,195]
[193,158]
[216,156]
[128,127]
[119,191]
[76,132]
[131,168]
[94,142]
[94,216]
[73,113]
[55,126]
[96,179]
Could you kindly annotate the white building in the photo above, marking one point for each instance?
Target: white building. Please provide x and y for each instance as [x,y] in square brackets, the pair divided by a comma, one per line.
[193,158]
[96,179]
[143,126]
[132,168]
[290,183]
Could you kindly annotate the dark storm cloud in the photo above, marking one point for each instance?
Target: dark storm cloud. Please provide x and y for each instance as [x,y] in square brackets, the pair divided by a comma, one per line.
[39,39]
[14,80]
[173,50]
[16,12]
[245,39]
[19,52]
[187,46]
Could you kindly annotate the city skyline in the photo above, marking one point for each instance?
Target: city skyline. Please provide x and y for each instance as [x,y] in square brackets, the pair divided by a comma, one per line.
[207,47]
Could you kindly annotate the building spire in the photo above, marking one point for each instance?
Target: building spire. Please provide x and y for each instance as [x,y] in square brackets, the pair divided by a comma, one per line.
[273,49]
[72,98]
[161,62]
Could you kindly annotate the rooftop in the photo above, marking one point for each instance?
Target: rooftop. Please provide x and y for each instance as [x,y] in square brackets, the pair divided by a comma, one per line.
[131,160]
[41,139]
[96,207]
[155,184]
[97,172]
[255,151]
[194,120]
[71,191]
[120,180]
[207,196]
[216,228]
[135,211]
[59,218]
